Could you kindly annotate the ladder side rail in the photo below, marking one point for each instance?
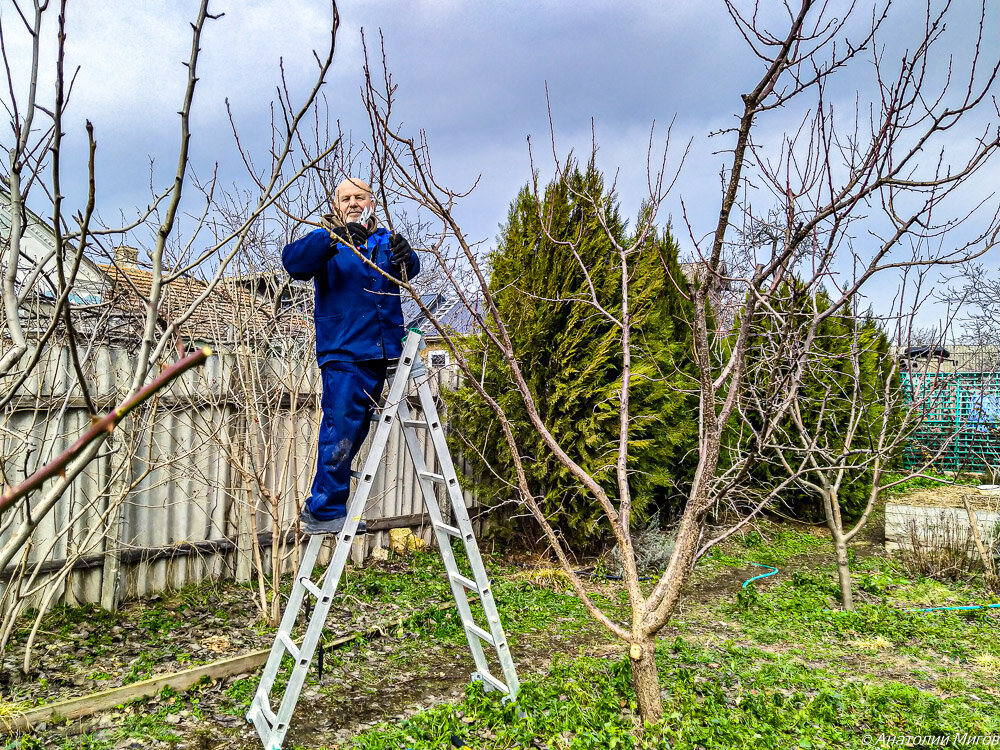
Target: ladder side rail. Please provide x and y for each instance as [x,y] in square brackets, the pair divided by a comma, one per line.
[263,728]
[444,542]
[452,485]
[461,515]
[313,633]
[270,671]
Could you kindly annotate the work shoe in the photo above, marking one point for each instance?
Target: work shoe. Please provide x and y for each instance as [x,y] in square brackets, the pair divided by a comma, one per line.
[312,525]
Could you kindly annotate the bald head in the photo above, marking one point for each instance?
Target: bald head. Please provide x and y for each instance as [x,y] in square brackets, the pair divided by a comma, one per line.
[352,197]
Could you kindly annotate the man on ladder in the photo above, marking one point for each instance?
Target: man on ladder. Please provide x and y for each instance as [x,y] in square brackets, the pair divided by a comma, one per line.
[359,328]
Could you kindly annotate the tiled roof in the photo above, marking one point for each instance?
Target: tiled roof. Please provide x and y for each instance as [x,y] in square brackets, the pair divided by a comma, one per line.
[229,313]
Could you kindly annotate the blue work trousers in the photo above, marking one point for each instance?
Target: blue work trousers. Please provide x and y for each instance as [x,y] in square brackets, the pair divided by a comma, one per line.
[351,391]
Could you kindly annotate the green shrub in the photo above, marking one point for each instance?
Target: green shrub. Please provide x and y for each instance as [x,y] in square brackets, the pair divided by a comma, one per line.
[571,357]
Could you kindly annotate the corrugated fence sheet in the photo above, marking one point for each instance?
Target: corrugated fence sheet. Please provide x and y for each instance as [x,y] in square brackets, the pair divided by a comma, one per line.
[181,490]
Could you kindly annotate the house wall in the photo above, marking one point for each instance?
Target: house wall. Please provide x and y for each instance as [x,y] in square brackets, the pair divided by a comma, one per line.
[172,494]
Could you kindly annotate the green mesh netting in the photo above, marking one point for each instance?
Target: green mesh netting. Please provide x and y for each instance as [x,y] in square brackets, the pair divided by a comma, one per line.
[961,420]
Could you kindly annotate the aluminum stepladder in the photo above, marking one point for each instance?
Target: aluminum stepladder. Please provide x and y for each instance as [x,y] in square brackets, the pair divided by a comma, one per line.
[273,725]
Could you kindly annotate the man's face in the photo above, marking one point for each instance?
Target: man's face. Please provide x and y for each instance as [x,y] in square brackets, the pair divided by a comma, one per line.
[353,197]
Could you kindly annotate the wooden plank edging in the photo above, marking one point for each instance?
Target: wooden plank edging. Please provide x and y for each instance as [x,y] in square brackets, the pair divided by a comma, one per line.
[84,705]
[74,708]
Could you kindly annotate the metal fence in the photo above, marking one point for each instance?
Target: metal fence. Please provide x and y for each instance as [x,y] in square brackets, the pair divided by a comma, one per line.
[960,414]
[204,482]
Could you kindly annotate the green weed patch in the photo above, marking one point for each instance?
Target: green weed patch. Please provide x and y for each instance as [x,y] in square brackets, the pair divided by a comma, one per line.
[713,698]
[772,545]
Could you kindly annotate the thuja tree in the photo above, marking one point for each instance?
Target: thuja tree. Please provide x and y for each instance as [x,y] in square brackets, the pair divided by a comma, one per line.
[849,364]
[556,251]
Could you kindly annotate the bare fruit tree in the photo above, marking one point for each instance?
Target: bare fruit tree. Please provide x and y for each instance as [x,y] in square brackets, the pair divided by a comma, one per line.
[72,290]
[848,436]
[847,199]
[268,404]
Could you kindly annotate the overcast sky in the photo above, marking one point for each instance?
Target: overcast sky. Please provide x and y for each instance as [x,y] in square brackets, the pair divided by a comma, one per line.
[472,74]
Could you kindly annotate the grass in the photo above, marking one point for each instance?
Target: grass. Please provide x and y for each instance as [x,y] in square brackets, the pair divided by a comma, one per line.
[770,546]
[774,665]
[722,697]
[801,674]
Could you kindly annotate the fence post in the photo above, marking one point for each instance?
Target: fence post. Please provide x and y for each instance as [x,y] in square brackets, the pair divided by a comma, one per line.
[244,563]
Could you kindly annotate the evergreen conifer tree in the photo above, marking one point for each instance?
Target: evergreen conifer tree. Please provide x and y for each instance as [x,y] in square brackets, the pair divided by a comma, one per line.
[830,390]
[572,356]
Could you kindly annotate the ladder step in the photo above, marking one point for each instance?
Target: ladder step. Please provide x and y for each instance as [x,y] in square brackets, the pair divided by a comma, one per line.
[467,582]
[289,645]
[313,589]
[433,477]
[493,682]
[482,634]
[448,529]
[414,423]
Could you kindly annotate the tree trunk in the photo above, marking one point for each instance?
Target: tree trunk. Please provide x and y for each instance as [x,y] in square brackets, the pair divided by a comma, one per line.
[117,535]
[645,681]
[844,573]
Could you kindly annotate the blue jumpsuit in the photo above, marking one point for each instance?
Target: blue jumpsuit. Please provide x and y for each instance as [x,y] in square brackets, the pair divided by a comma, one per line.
[359,327]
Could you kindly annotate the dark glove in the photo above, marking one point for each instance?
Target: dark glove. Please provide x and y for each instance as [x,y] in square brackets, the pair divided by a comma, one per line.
[359,233]
[353,234]
[401,250]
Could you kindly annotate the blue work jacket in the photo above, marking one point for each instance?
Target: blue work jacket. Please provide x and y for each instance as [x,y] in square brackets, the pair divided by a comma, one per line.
[358,315]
